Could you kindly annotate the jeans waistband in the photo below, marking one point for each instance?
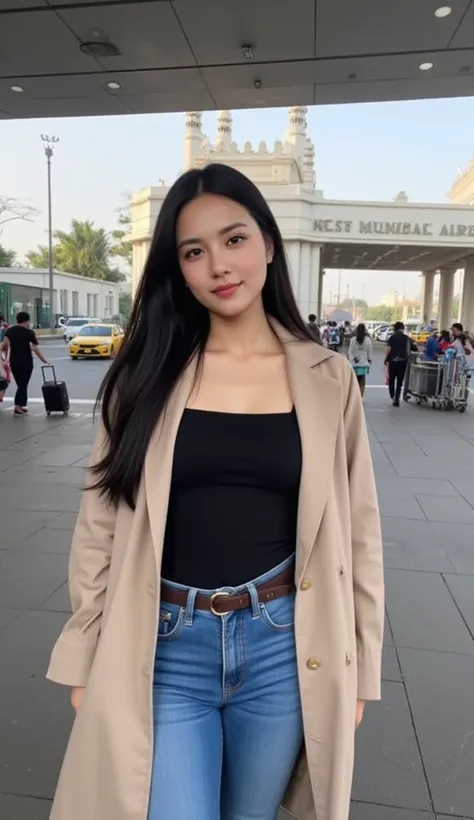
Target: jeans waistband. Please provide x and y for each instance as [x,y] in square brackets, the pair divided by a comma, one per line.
[251,587]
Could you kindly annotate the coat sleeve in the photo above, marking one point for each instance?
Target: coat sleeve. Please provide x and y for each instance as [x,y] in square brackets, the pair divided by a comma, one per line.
[89,564]
[367,555]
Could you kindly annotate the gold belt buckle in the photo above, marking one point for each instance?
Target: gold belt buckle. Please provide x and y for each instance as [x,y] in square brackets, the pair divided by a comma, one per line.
[213,598]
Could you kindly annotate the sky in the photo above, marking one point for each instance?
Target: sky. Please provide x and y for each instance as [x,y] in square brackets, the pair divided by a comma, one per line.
[365,151]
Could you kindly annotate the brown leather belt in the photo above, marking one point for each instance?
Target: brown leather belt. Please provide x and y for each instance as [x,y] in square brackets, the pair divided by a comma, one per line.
[220,603]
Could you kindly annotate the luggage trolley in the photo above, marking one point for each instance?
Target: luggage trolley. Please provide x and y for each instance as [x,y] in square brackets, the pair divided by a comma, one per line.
[443,384]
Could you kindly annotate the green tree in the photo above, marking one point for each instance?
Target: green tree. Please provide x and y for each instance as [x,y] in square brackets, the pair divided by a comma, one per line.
[381,313]
[125,305]
[40,258]
[85,250]
[7,257]
[119,246]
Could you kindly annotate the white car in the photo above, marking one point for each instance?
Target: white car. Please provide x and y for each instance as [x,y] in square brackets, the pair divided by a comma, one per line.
[384,335]
[74,325]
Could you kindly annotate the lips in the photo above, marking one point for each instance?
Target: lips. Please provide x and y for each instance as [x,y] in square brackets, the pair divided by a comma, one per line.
[225,291]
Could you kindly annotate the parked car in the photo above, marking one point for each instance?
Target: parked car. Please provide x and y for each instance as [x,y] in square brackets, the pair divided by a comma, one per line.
[99,340]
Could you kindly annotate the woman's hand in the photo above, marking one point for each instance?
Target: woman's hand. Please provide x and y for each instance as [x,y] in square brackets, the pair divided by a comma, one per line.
[77,693]
[360,706]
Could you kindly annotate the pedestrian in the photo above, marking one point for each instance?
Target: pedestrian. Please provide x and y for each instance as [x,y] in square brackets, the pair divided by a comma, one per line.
[360,355]
[18,346]
[313,328]
[431,351]
[399,348]
[3,327]
[207,523]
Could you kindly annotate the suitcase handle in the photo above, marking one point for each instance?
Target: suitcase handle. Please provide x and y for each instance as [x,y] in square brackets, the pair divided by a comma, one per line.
[48,367]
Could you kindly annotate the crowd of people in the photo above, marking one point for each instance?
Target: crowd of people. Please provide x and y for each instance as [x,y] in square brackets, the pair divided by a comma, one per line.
[357,344]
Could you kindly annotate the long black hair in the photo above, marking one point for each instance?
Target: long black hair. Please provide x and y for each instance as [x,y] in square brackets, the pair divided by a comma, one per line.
[168,327]
[361,333]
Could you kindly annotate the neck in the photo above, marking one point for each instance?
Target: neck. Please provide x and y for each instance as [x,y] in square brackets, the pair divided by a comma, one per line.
[242,335]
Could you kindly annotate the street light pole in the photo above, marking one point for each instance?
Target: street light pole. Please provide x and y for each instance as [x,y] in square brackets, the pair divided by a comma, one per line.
[49,143]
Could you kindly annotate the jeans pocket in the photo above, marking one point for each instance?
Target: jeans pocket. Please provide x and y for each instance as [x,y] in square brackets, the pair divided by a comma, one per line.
[171,620]
[279,614]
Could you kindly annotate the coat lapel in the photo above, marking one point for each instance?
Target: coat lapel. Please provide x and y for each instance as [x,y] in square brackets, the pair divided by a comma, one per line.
[318,403]
[159,459]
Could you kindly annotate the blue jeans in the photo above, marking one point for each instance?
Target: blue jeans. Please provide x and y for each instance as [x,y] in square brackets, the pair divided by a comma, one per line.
[227,712]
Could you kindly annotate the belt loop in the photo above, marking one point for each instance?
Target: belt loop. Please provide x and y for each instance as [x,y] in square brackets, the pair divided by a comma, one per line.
[189,612]
[254,602]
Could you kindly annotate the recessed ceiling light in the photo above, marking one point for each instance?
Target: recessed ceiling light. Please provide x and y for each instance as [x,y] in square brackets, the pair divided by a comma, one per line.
[99,48]
[443,11]
[114,86]
[425,66]
[17,88]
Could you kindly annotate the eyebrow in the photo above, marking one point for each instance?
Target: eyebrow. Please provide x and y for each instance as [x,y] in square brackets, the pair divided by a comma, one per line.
[222,232]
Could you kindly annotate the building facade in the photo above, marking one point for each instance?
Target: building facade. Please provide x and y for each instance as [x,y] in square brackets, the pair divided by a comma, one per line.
[28,289]
[319,233]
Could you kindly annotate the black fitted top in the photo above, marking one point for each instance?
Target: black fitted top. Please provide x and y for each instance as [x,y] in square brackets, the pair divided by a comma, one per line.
[234,497]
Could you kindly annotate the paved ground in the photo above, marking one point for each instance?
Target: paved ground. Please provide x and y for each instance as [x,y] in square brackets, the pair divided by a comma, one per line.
[415,756]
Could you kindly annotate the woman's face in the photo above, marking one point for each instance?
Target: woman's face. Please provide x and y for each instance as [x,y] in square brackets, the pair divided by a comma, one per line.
[222,254]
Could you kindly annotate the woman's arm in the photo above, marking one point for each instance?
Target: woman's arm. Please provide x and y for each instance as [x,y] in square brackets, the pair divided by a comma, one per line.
[89,565]
[366,548]
[369,348]
[351,351]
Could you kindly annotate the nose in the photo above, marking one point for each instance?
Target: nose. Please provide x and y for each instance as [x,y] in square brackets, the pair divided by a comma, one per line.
[218,263]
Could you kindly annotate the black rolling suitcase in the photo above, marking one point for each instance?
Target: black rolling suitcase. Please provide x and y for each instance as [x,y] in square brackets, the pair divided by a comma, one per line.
[55,395]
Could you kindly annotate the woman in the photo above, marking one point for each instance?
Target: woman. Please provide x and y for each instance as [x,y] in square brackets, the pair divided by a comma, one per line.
[215,691]
[360,355]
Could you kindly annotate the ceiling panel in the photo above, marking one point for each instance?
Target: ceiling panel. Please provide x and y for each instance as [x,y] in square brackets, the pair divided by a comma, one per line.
[423,89]
[394,66]
[378,26]
[269,75]
[35,43]
[389,257]
[265,98]
[8,5]
[279,30]
[464,37]
[148,35]
[175,101]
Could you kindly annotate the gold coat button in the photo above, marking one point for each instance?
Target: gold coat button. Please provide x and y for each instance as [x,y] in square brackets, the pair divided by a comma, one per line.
[305,584]
[313,663]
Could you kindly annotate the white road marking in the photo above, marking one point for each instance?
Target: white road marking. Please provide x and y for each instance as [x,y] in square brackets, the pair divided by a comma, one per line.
[37,400]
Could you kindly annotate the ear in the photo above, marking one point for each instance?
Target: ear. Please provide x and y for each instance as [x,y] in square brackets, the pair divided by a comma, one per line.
[270,249]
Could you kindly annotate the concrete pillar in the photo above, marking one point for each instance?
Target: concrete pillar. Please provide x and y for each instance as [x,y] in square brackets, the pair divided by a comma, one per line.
[315,281]
[427,296]
[293,254]
[467,297]
[305,280]
[446,293]
[320,294]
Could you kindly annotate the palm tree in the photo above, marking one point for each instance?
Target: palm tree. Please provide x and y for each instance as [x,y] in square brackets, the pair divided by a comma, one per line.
[84,250]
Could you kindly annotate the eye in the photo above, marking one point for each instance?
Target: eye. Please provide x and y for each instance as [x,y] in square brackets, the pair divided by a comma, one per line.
[236,240]
[193,253]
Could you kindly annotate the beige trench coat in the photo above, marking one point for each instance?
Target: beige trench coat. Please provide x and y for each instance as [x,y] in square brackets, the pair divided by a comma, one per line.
[109,643]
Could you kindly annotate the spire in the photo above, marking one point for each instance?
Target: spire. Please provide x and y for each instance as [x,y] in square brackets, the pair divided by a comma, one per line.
[309,175]
[296,131]
[193,138]
[224,131]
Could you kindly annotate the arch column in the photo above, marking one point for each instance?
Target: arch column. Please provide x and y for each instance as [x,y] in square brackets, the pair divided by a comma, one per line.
[305,280]
[446,293]
[427,296]
[467,296]
[315,280]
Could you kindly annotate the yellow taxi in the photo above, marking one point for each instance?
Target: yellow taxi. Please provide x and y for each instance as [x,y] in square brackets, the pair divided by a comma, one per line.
[420,336]
[96,341]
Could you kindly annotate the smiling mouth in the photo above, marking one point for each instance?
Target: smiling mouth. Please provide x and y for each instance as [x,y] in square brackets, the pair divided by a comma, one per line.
[226,290]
